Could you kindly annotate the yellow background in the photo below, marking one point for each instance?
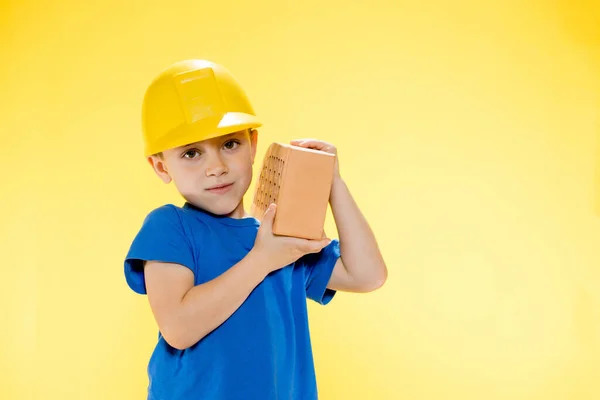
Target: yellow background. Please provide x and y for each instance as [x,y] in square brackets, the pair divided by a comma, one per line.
[467,133]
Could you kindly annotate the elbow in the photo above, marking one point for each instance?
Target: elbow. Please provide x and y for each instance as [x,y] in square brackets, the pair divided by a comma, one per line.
[178,338]
[177,344]
[376,285]
[176,341]
[378,280]
[375,281]
[382,280]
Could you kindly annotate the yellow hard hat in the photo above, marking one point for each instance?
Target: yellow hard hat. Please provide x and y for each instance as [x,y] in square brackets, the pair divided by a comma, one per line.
[190,101]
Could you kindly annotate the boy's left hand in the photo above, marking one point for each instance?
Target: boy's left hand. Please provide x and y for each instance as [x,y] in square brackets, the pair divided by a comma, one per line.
[322,146]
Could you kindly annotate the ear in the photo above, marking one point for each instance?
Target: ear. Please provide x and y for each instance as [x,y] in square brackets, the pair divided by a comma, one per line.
[253,142]
[160,167]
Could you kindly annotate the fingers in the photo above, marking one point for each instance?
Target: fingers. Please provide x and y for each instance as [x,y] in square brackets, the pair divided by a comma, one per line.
[312,246]
[308,143]
[304,142]
[298,141]
[324,242]
[318,245]
[314,144]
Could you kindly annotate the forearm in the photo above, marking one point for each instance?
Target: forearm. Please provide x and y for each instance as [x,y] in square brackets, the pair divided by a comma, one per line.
[358,247]
[206,306]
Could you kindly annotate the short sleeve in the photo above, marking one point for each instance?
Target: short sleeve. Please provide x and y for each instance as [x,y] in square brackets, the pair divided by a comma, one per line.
[318,268]
[161,238]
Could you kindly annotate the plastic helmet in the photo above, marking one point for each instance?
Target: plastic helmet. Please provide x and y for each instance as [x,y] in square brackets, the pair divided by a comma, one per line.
[190,101]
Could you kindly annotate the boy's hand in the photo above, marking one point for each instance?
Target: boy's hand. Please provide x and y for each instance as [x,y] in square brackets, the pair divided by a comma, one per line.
[322,146]
[275,252]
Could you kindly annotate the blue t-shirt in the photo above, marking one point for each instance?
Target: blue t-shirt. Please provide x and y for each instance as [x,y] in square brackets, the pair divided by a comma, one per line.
[263,351]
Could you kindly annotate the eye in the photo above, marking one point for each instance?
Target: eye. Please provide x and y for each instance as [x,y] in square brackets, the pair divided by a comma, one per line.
[191,154]
[231,144]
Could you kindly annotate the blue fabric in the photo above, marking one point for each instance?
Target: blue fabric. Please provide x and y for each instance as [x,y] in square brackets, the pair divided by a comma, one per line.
[263,351]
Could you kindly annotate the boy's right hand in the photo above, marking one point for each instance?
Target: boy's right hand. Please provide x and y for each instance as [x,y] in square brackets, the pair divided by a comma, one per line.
[275,251]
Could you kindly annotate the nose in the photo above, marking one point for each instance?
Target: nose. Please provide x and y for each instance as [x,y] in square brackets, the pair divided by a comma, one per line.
[215,165]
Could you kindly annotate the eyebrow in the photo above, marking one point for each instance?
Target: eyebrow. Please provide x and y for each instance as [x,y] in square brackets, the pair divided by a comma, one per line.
[224,137]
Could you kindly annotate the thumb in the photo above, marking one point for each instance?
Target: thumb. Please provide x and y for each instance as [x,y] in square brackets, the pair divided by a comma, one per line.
[269,215]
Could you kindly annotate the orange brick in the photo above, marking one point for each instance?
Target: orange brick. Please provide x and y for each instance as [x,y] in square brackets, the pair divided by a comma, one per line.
[299,181]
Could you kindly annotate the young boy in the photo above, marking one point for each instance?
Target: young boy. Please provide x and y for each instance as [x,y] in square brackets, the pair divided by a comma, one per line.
[228,296]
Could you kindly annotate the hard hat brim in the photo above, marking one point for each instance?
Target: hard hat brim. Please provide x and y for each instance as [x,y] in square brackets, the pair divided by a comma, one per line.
[231,122]
[238,121]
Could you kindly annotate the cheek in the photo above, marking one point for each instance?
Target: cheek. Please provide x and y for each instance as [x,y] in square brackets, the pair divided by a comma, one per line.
[242,171]
[184,179]
[240,164]
[247,170]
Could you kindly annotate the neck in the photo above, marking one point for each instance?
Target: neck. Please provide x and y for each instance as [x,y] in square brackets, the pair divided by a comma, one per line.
[239,211]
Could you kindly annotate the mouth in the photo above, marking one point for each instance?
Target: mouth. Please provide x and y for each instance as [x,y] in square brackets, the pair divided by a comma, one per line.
[222,188]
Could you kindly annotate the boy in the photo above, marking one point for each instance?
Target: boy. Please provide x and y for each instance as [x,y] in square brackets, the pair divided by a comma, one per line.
[228,296]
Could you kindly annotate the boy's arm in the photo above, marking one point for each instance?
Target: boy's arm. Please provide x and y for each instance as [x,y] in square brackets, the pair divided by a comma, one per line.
[361,267]
[186,313]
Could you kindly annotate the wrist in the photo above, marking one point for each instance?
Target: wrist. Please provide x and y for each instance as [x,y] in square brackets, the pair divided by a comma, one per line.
[337,183]
[259,263]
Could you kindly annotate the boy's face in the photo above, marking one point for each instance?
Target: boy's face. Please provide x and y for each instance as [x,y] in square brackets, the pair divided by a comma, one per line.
[213,174]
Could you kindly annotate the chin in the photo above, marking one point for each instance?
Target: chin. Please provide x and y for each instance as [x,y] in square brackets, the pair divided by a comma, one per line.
[223,208]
